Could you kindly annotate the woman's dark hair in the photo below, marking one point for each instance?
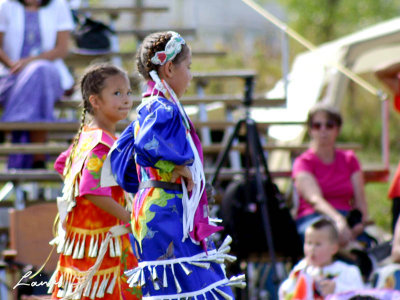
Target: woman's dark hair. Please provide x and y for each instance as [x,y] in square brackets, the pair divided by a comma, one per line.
[42,2]
[91,83]
[332,113]
[150,45]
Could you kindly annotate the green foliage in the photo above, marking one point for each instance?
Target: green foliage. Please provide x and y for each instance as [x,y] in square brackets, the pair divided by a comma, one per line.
[324,20]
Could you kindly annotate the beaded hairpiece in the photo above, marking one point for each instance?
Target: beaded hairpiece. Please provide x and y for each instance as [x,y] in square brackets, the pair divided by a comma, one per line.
[172,48]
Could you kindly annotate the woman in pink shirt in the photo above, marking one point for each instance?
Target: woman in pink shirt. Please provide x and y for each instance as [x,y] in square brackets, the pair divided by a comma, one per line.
[329,181]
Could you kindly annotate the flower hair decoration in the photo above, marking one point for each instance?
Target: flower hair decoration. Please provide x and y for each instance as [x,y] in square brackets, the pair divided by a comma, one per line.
[172,48]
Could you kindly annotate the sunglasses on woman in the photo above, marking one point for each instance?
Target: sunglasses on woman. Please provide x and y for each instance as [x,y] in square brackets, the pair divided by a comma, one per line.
[319,125]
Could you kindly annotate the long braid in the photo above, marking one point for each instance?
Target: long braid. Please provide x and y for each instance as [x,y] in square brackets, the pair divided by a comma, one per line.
[68,163]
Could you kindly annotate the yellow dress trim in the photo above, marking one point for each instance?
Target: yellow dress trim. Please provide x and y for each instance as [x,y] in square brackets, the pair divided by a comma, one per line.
[89,232]
[82,273]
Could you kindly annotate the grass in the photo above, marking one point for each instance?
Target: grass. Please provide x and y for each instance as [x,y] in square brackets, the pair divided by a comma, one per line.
[379,205]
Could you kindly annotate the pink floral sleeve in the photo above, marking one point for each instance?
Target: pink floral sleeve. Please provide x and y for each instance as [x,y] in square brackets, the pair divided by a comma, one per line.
[59,164]
[90,178]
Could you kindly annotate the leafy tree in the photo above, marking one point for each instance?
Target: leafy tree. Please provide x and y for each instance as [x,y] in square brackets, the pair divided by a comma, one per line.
[324,20]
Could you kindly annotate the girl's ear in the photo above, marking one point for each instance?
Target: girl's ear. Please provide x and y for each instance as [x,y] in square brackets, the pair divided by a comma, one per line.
[94,101]
[169,69]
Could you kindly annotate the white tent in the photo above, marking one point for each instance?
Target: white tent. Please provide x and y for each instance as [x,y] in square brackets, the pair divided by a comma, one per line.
[311,71]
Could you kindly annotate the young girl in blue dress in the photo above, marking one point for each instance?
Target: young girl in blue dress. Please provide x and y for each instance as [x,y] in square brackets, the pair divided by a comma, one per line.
[159,157]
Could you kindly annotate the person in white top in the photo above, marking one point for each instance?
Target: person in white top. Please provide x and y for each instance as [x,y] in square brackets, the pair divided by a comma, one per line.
[318,274]
[34,37]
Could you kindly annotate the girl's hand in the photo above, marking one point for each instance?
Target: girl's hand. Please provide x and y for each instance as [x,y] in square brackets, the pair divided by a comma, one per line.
[184,172]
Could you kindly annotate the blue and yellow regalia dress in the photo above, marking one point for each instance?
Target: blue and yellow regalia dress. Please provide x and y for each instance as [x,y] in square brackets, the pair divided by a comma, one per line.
[172,263]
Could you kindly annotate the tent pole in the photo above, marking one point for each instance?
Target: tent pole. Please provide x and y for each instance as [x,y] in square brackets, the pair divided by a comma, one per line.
[285,61]
[385,132]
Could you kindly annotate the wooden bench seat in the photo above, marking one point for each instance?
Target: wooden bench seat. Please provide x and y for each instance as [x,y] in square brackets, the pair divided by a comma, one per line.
[371,174]
[73,126]
[77,58]
[110,10]
[215,75]
[142,33]
[56,148]
[225,74]
[218,147]
[231,101]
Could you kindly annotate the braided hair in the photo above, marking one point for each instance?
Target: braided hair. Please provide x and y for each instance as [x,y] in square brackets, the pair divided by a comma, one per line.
[91,83]
[151,44]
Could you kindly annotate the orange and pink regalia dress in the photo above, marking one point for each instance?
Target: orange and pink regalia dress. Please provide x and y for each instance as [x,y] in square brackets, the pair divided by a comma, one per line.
[87,225]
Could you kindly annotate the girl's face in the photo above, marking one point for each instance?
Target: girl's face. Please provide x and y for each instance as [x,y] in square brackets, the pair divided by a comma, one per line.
[323,131]
[180,75]
[115,100]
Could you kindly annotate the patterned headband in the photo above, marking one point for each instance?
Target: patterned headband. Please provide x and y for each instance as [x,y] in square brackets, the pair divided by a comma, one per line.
[173,47]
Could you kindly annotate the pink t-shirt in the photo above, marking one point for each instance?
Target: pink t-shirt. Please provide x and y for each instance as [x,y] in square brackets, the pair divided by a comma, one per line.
[334,179]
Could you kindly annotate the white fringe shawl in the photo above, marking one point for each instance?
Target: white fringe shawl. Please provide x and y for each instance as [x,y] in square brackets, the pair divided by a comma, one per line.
[191,203]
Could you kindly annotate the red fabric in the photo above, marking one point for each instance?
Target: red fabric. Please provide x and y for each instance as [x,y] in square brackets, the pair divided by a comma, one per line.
[394,189]
[396,102]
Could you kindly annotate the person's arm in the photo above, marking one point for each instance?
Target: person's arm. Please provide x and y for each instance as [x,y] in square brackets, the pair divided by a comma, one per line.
[59,51]
[308,187]
[161,142]
[110,206]
[396,243]
[389,77]
[61,48]
[4,59]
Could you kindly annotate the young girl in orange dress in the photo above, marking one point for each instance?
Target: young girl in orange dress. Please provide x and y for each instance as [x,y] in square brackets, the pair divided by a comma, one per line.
[87,210]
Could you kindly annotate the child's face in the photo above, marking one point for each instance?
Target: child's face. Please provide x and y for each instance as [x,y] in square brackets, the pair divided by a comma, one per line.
[181,76]
[319,247]
[115,101]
